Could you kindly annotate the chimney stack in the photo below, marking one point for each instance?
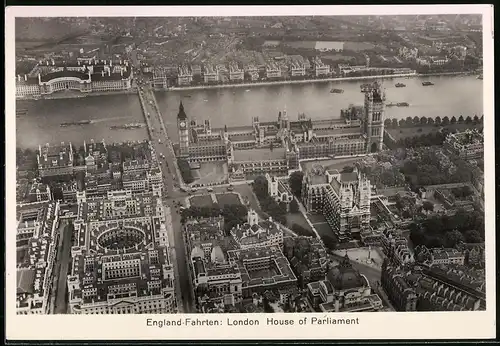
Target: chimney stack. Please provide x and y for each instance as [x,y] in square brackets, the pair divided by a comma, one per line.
[25,78]
[109,72]
[18,77]
[102,73]
[47,63]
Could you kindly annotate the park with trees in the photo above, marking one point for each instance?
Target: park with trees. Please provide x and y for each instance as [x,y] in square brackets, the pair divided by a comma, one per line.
[295,183]
[448,231]
[423,131]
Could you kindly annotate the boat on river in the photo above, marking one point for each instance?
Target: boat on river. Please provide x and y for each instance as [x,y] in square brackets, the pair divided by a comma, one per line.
[336,91]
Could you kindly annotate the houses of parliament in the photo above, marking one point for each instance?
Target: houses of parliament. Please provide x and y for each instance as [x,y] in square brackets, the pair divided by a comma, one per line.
[277,147]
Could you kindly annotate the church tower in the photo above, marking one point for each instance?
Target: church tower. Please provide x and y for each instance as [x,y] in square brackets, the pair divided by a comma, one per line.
[374,114]
[183,127]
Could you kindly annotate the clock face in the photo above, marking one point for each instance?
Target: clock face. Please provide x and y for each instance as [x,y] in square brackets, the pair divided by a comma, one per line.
[183,124]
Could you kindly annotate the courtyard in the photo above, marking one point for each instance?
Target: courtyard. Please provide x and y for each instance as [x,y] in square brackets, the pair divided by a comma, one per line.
[330,164]
[210,173]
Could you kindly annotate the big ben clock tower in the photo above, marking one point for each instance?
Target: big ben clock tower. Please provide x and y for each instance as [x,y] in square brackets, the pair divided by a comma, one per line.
[183,126]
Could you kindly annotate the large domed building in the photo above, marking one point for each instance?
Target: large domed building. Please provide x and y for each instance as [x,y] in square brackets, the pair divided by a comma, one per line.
[344,289]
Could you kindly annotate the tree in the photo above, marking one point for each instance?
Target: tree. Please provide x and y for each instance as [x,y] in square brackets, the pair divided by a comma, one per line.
[186,173]
[430,121]
[446,121]
[473,236]
[299,230]
[329,241]
[294,206]
[438,120]
[428,206]
[402,123]
[475,120]
[416,120]
[423,120]
[452,238]
[468,120]
[387,122]
[260,186]
[460,119]
[395,123]
[409,121]
[295,183]
[453,120]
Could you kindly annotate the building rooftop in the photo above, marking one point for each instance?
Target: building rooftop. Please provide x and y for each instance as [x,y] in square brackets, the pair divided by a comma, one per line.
[55,156]
[261,154]
[126,206]
[25,280]
[37,223]
[99,282]
[345,277]
[278,269]
[339,131]
[255,234]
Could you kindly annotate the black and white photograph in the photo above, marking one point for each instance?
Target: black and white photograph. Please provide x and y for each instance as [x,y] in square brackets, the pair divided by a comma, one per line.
[255,170]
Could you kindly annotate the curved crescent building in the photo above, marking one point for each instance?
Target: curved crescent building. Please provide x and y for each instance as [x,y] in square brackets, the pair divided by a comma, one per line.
[97,76]
[121,262]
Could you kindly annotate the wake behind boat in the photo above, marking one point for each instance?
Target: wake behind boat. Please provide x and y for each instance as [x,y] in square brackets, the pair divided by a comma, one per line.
[132,126]
[76,123]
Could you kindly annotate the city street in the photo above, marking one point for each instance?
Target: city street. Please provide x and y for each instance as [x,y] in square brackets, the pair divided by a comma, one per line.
[171,183]
[63,263]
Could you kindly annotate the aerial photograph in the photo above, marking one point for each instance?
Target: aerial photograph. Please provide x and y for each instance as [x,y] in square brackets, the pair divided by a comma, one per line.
[174,165]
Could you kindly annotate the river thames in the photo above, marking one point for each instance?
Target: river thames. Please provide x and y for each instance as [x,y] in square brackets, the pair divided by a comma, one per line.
[450,96]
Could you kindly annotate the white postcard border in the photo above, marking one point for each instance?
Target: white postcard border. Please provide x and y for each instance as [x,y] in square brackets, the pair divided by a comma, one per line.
[416,325]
